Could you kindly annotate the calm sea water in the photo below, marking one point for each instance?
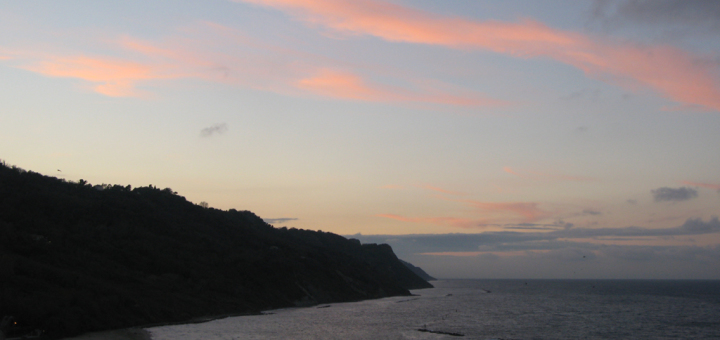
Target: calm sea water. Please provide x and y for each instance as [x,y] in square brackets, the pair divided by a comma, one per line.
[493,309]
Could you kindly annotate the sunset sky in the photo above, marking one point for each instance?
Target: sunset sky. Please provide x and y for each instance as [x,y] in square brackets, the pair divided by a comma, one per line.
[484,139]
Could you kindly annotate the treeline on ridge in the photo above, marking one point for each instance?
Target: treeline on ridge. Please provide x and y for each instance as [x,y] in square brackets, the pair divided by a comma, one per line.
[76,258]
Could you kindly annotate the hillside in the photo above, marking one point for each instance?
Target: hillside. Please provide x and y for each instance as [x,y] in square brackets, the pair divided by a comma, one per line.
[76,258]
[418,271]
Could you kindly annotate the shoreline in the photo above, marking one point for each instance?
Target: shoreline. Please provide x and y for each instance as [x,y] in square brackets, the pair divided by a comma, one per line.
[133,333]
[142,333]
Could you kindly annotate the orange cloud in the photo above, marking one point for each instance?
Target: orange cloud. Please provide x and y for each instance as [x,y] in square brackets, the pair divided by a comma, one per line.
[430,187]
[346,85]
[510,171]
[703,185]
[214,52]
[402,24]
[676,74]
[174,59]
[544,176]
[284,70]
[92,69]
[451,221]
[528,210]
[143,61]
[117,76]
[341,85]
[146,48]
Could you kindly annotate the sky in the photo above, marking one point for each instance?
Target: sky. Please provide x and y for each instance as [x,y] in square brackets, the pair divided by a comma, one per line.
[480,139]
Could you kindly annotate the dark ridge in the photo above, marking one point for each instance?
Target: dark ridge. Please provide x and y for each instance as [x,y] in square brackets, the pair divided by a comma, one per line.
[76,258]
[418,271]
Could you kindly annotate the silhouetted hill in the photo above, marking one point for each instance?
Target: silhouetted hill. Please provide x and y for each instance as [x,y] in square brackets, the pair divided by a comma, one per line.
[418,271]
[76,258]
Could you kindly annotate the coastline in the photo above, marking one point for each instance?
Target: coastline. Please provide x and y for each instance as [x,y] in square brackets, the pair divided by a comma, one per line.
[141,332]
[118,334]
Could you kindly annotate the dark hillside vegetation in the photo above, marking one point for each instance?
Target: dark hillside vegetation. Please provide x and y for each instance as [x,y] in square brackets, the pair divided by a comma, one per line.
[76,258]
[418,271]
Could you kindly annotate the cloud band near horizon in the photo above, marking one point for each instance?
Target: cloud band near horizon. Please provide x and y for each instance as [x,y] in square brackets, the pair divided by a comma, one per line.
[504,241]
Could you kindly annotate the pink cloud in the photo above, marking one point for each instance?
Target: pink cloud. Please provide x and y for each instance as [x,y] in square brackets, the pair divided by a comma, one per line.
[343,85]
[493,212]
[703,185]
[457,193]
[545,176]
[213,52]
[512,172]
[449,221]
[529,211]
[674,73]
[117,77]
[141,61]
[347,85]
[92,69]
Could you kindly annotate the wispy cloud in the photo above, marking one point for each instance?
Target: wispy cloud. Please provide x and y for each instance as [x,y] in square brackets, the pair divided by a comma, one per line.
[512,172]
[591,212]
[674,194]
[492,214]
[125,64]
[341,85]
[216,53]
[529,211]
[214,130]
[444,191]
[673,72]
[447,221]
[530,226]
[347,85]
[116,78]
[703,185]
[535,175]
[511,241]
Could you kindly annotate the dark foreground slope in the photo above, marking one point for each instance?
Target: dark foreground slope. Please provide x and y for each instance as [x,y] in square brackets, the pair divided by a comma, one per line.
[76,258]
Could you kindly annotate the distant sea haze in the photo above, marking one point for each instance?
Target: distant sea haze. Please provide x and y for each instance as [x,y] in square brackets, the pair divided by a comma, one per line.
[492,309]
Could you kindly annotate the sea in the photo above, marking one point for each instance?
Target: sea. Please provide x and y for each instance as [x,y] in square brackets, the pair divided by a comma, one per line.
[491,309]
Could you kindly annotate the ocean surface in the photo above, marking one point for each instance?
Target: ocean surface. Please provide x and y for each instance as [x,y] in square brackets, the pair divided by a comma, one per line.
[492,309]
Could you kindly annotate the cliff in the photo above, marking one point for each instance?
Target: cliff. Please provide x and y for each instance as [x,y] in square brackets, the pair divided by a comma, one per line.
[76,258]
